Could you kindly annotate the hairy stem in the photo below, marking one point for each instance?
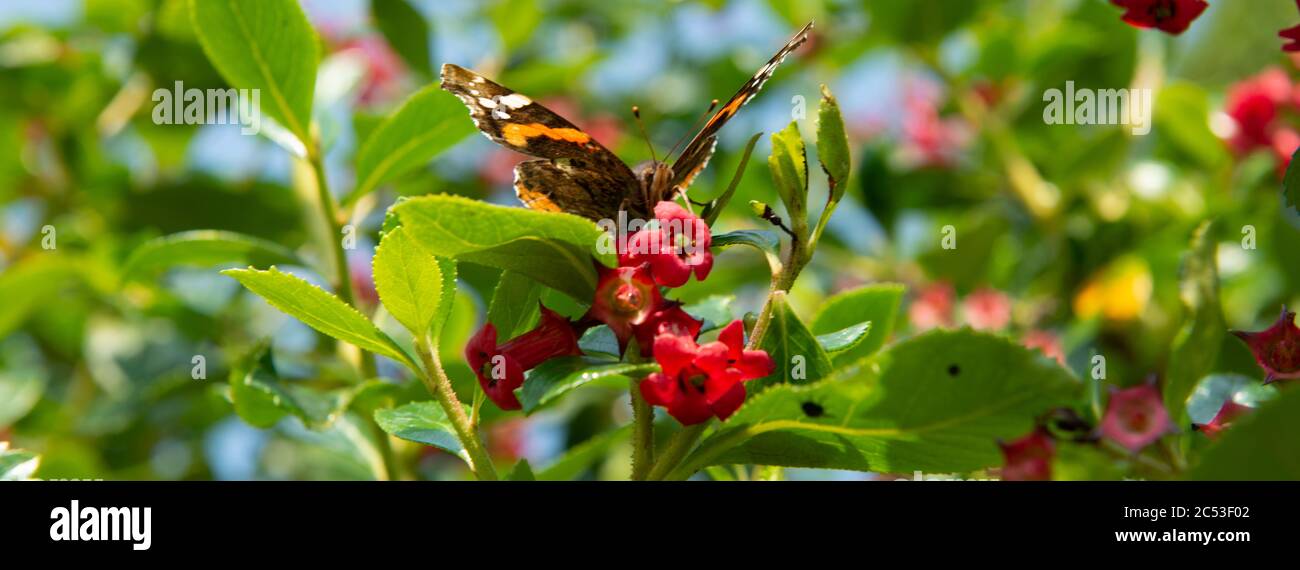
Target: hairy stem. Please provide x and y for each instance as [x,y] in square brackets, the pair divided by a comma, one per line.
[643,433]
[341,281]
[435,379]
[678,447]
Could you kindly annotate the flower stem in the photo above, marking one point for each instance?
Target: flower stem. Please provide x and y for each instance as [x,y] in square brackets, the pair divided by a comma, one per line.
[643,434]
[678,447]
[341,281]
[435,379]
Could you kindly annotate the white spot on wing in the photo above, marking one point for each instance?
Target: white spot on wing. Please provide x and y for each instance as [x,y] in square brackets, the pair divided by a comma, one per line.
[514,101]
[484,101]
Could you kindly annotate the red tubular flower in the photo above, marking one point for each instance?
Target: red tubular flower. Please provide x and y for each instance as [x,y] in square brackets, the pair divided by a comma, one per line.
[1227,414]
[1277,348]
[1135,417]
[698,382]
[677,247]
[626,297]
[670,320]
[1172,16]
[499,377]
[1028,458]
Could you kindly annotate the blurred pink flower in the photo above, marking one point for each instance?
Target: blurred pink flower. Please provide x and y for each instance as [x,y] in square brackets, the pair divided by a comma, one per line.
[932,307]
[1046,342]
[1254,104]
[1135,417]
[928,139]
[1028,458]
[1224,418]
[987,310]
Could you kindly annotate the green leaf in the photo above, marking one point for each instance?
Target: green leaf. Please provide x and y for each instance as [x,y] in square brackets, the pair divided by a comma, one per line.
[514,307]
[762,240]
[1261,446]
[205,248]
[799,358]
[938,403]
[832,144]
[715,207]
[789,165]
[427,123]
[267,45]
[29,283]
[844,339]
[515,20]
[876,303]
[1291,183]
[17,464]
[1196,347]
[422,422]
[558,376]
[714,311]
[410,283]
[261,398]
[19,392]
[551,248]
[319,310]
[583,455]
[406,30]
[521,472]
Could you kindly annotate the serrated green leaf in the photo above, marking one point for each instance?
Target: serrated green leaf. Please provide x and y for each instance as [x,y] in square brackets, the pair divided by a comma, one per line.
[844,339]
[319,310]
[876,303]
[558,376]
[1196,347]
[938,403]
[267,45]
[257,393]
[798,357]
[581,456]
[427,123]
[422,422]
[410,283]
[205,248]
[551,248]
[789,165]
[514,307]
[1263,445]
[406,30]
[832,144]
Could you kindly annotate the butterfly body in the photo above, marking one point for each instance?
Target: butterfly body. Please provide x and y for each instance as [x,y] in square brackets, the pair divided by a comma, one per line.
[573,172]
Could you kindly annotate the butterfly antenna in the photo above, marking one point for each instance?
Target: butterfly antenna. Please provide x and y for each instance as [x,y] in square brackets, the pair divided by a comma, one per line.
[636,112]
[712,106]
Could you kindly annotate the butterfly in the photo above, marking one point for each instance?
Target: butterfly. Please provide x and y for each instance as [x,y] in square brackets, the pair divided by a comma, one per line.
[573,172]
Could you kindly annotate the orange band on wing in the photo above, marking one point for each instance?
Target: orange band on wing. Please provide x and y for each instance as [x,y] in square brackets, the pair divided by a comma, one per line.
[518,135]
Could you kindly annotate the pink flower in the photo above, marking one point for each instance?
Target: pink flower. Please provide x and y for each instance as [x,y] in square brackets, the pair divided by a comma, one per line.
[987,310]
[676,247]
[1135,417]
[1277,348]
[932,307]
[698,382]
[1028,458]
[500,369]
[1046,342]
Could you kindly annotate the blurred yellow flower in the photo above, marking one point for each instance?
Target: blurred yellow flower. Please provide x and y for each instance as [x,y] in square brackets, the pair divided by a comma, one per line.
[1118,293]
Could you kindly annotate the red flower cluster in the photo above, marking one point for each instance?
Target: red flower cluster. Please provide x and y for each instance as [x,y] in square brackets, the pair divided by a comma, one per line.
[1255,107]
[696,382]
[1172,16]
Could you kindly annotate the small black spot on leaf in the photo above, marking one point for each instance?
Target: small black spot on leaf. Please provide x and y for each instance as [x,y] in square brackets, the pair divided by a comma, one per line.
[812,409]
[953,370]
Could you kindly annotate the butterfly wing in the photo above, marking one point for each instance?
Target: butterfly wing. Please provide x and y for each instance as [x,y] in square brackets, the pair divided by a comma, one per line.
[578,175]
[697,153]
